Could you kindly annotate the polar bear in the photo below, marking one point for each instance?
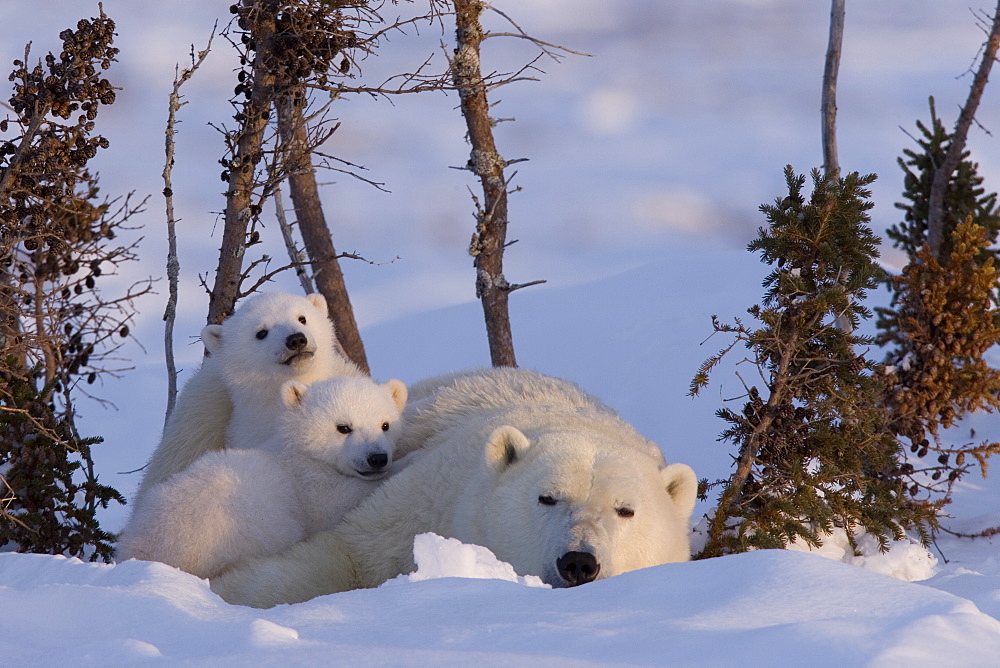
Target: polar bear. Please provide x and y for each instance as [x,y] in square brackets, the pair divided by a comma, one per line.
[333,444]
[528,466]
[271,338]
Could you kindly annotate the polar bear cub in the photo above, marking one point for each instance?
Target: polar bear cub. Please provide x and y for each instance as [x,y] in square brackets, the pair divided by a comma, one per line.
[334,443]
[233,398]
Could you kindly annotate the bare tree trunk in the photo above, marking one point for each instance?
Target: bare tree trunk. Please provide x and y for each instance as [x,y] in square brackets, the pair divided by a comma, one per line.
[173,264]
[491,229]
[831,164]
[312,224]
[935,205]
[242,168]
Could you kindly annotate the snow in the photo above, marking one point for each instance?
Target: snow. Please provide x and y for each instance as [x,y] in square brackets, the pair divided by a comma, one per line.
[440,557]
[776,607]
[648,163]
[462,605]
[904,559]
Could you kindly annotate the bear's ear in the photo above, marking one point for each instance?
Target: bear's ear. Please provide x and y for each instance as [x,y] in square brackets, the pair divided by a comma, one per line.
[319,301]
[682,485]
[211,336]
[505,446]
[397,389]
[292,393]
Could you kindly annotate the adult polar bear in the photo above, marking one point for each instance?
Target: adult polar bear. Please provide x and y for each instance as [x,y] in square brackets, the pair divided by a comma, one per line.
[544,475]
[233,398]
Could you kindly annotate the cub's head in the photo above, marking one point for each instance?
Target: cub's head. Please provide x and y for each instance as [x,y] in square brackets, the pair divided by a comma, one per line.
[272,335]
[348,422]
[572,507]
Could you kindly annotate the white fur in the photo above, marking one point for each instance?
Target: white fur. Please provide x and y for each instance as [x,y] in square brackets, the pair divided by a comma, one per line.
[245,372]
[495,444]
[236,504]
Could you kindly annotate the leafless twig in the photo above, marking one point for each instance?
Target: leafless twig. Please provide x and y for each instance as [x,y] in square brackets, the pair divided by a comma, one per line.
[173,264]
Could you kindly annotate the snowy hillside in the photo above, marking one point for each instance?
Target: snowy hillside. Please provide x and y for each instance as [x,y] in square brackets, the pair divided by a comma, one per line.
[637,354]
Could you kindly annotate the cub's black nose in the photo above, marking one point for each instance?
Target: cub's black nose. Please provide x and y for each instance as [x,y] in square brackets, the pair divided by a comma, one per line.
[296,341]
[578,568]
[378,460]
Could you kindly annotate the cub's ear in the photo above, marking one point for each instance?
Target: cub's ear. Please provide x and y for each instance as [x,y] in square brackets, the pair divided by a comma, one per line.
[293,392]
[397,389]
[682,485]
[319,301]
[211,336]
[505,446]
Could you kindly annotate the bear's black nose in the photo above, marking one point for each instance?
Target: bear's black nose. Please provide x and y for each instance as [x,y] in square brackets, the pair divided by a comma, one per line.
[296,341]
[378,460]
[578,568]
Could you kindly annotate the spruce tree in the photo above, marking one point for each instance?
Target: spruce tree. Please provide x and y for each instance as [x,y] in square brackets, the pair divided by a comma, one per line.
[941,319]
[813,450]
[48,498]
[965,195]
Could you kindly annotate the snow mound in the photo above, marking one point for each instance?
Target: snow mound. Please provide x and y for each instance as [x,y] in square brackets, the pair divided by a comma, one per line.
[905,559]
[439,557]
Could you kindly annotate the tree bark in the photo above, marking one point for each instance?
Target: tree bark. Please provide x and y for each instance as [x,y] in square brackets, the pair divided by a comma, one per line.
[242,175]
[831,162]
[312,225]
[491,229]
[942,175]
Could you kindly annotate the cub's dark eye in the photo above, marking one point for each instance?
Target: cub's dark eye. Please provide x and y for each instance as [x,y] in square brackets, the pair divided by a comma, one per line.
[546,500]
[302,319]
[262,334]
[385,426]
[624,512]
[344,428]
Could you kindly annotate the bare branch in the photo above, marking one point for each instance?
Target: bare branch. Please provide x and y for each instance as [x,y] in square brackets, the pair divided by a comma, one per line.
[518,286]
[297,257]
[355,256]
[544,46]
[173,264]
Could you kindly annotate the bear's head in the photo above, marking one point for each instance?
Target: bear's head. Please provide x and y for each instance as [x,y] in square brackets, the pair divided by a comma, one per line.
[348,422]
[572,507]
[273,336]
